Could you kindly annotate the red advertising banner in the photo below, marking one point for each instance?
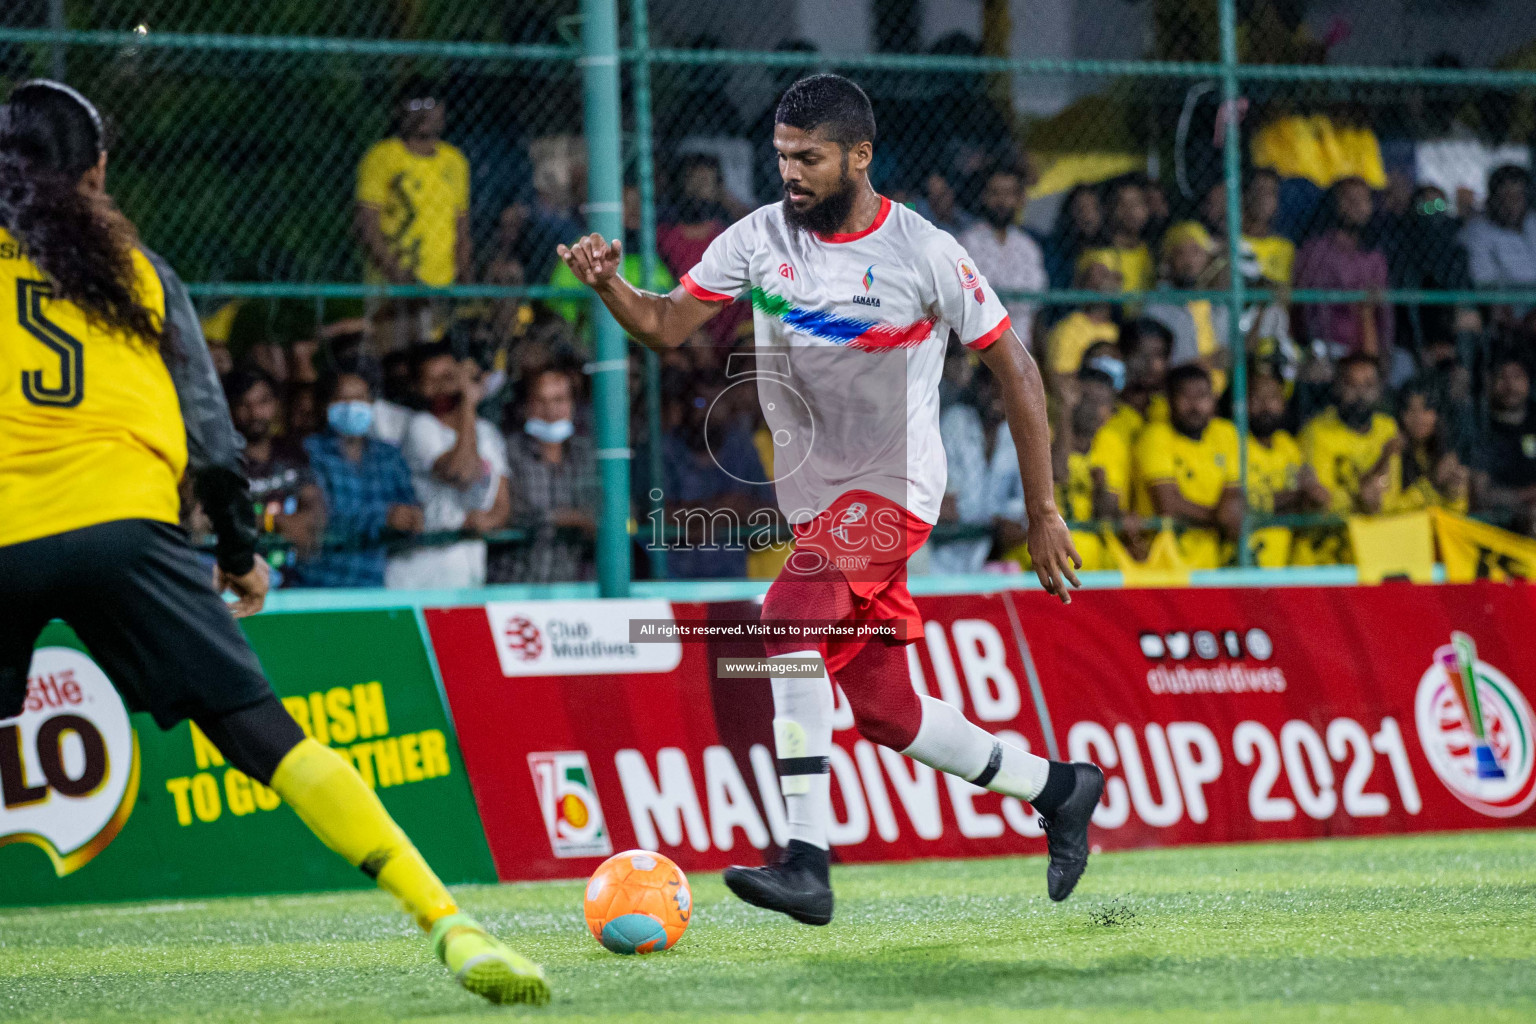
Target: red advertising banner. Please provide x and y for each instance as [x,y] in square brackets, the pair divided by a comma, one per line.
[1218,715]
[1225,715]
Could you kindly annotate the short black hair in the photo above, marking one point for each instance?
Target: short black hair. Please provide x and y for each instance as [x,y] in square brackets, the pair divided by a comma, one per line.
[1185,373]
[355,365]
[1089,375]
[1502,176]
[425,352]
[1132,333]
[242,380]
[829,103]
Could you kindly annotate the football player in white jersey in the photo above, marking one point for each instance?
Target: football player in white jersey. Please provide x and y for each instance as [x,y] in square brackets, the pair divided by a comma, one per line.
[855,298]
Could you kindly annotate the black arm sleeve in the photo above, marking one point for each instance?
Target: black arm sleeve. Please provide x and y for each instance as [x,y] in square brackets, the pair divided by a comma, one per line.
[215,451]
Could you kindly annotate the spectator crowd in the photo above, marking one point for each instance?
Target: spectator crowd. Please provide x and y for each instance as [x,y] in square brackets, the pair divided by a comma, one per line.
[429,444]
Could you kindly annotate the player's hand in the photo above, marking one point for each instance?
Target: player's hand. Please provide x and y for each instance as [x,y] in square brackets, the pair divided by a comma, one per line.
[250,590]
[1054,555]
[592,260]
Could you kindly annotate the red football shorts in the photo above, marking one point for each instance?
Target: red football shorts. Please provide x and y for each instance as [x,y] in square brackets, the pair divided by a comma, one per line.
[868,538]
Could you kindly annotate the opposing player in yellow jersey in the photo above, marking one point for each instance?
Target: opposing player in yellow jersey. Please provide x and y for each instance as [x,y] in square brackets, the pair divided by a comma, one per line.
[1187,469]
[107,395]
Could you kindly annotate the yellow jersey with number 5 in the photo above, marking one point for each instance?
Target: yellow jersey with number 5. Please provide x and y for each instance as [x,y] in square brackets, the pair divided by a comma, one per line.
[90,425]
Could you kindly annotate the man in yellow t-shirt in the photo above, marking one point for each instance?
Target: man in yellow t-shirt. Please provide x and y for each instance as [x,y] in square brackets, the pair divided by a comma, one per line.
[1097,464]
[1145,345]
[1187,469]
[413,200]
[1126,250]
[1350,447]
[1279,479]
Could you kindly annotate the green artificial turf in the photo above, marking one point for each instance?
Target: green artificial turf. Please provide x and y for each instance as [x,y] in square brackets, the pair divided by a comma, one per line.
[1425,928]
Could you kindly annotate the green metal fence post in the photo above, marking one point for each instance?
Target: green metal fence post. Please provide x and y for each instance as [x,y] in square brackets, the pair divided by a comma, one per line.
[645,160]
[1236,343]
[610,376]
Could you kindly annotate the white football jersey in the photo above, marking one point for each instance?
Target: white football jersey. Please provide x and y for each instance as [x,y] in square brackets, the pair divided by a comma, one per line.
[851,331]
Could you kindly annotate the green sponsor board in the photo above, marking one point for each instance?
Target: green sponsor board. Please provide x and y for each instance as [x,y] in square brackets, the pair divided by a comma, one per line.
[97,804]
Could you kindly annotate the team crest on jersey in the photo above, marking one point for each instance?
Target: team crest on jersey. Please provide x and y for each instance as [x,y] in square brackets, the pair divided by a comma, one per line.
[968,277]
[867,299]
[852,514]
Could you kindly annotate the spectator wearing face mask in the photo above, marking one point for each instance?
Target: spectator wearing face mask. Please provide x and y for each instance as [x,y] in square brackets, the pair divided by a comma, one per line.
[1144,348]
[557,493]
[458,466]
[1004,253]
[367,486]
[290,510]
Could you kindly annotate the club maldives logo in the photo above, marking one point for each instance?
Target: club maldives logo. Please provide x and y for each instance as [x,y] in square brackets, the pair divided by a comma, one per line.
[524,641]
[1476,730]
[573,818]
[573,638]
[69,763]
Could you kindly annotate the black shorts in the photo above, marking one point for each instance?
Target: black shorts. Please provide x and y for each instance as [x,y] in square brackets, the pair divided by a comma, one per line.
[143,604]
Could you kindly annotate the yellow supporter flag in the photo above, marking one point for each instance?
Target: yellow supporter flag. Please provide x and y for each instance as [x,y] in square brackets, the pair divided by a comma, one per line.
[1392,547]
[1473,550]
[1164,566]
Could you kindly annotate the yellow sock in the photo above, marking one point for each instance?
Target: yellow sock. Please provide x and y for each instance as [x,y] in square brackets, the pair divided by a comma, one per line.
[333,800]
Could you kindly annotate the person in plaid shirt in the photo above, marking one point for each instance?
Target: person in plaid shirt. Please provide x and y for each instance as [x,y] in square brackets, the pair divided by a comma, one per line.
[367,488]
[556,492]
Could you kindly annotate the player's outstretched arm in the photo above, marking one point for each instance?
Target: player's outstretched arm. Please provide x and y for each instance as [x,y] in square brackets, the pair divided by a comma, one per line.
[656,321]
[1050,543]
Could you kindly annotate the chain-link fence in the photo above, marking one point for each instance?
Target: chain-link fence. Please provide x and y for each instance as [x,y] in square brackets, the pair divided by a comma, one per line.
[1377,189]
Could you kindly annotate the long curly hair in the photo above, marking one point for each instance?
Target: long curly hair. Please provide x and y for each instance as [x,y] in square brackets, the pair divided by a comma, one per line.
[50,136]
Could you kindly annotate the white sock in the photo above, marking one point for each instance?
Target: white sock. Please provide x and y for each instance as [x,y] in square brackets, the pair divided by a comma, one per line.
[802,735]
[947,741]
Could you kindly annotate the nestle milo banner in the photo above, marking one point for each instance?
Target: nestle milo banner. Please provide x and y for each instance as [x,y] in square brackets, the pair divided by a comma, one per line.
[99,804]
